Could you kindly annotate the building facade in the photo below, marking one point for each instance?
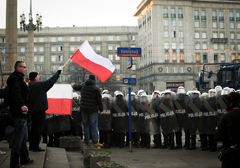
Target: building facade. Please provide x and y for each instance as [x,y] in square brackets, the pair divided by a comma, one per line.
[178,36]
[54,46]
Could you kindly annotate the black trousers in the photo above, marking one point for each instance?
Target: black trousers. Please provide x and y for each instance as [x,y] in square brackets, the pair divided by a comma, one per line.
[38,120]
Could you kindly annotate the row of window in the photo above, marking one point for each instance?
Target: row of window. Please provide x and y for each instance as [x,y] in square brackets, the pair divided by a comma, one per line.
[217,46]
[215,25]
[215,35]
[214,15]
[173,13]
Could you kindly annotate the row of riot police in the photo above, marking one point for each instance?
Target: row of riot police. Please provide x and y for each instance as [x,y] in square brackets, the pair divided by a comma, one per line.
[166,114]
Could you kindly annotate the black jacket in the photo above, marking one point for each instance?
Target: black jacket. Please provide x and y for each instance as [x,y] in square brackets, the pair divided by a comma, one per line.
[19,95]
[38,97]
[231,119]
[91,99]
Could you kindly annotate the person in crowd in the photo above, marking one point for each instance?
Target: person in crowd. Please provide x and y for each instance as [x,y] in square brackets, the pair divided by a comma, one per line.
[228,133]
[19,101]
[38,104]
[91,102]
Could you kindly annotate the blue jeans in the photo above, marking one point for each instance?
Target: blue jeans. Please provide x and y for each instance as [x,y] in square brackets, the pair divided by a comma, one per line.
[90,119]
[19,147]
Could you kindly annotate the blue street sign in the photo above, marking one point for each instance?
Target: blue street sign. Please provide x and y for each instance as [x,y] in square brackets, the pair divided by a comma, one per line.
[129,52]
[129,63]
[129,81]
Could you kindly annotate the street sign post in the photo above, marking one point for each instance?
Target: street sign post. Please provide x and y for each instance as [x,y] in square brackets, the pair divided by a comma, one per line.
[129,81]
[129,52]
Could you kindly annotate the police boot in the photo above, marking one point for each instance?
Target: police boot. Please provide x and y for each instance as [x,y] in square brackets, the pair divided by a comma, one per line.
[179,140]
[171,140]
[193,142]
[214,148]
[108,141]
[165,141]
[135,139]
[121,140]
[143,140]
[147,141]
[203,142]
[157,141]
[187,140]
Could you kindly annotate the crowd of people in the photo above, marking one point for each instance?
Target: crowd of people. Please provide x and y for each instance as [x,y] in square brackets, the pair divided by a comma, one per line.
[166,116]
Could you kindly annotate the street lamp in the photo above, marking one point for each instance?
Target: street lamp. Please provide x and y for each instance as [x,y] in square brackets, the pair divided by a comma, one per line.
[30,28]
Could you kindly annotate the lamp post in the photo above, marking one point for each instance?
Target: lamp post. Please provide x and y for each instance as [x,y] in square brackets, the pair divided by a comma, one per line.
[30,28]
[193,71]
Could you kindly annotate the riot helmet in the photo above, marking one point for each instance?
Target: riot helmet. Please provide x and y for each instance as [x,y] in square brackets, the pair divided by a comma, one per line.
[195,94]
[118,93]
[181,90]
[204,96]
[140,92]
[144,98]
[218,89]
[225,91]
[156,94]
[238,91]
[173,95]
[189,92]
[105,92]
[232,90]
[211,93]
[167,94]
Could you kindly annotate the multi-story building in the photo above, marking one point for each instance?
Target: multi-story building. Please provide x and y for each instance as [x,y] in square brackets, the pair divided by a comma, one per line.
[54,46]
[178,36]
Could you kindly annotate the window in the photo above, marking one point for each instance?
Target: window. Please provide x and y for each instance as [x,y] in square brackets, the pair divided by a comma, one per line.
[41,39]
[196,14]
[174,56]
[35,39]
[215,46]
[133,38]
[231,16]
[214,25]
[232,56]
[165,13]
[238,25]
[173,14]
[110,57]
[134,68]
[196,24]
[167,69]
[72,38]
[72,48]
[231,25]
[117,38]
[22,40]
[222,47]
[35,58]
[79,38]
[166,55]
[110,47]
[180,13]
[41,59]
[117,66]
[53,39]
[60,58]
[180,23]
[91,38]
[196,35]
[232,46]
[165,22]
[222,57]
[238,47]
[3,40]
[181,56]
[41,49]
[59,38]
[180,45]
[22,49]
[165,33]
[238,56]
[35,49]
[174,34]
[174,45]
[215,35]
[203,15]
[221,15]
[238,36]
[118,77]
[98,48]
[221,25]
[173,22]
[60,48]
[204,46]
[204,57]
[197,46]
[214,15]
[53,48]
[197,57]
[215,57]
[117,57]
[237,16]
[221,35]
[204,24]
[204,35]
[97,38]
[53,58]
[181,34]
[166,45]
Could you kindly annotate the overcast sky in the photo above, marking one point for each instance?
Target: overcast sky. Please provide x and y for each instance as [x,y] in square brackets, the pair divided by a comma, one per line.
[66,13]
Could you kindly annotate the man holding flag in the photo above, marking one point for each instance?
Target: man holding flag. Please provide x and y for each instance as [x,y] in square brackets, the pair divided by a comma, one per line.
[91,102]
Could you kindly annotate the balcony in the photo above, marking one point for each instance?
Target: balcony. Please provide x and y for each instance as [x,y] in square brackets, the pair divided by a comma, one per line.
[231,18]
[221,18]
[214,17]
[196,17]
[180,15]
[219,40]
[203,17]
[173,15]
[165,15]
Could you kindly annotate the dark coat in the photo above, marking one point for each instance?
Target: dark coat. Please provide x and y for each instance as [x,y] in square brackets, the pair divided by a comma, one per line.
[19,95]
[38,97]
[91,99]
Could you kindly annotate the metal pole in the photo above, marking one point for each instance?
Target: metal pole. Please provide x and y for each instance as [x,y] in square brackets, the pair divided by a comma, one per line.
[193,72]
[130,119]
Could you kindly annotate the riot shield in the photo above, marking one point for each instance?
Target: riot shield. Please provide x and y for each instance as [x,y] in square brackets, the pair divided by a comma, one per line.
[134,114]
[221,107]
[181,111]
[168,118]
[105,119]
[119,117]
[194,106]
[76,119]
[209,115]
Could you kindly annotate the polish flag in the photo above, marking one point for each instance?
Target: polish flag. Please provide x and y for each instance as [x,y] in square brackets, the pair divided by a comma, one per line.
[100,66]
[60,99]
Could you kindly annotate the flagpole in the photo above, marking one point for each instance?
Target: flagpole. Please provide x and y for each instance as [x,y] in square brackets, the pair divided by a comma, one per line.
[65,64]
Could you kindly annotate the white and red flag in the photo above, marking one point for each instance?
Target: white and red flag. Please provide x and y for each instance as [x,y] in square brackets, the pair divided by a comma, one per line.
[98,65]
[60,99]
